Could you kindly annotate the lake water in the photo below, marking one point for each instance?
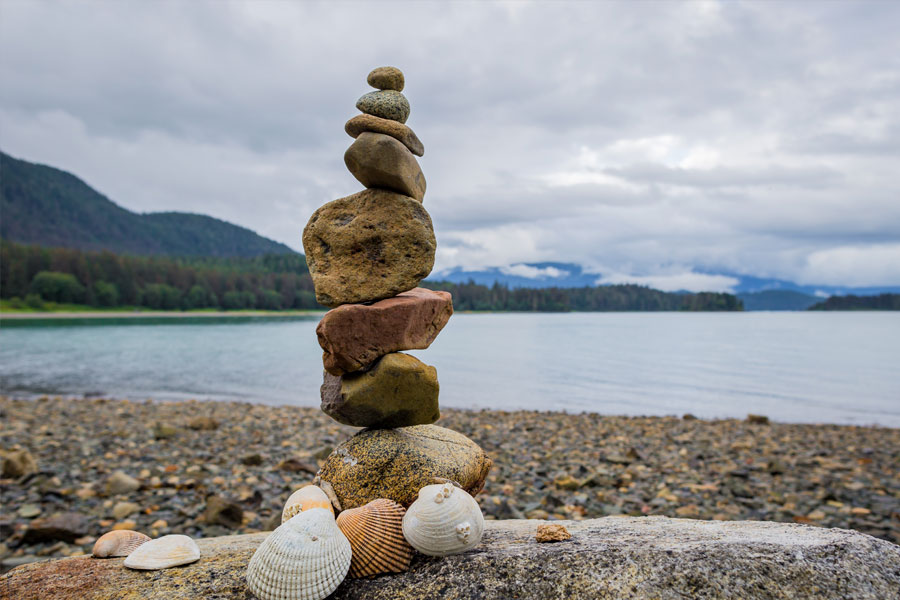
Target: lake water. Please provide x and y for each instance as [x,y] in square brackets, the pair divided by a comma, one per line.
[793,367]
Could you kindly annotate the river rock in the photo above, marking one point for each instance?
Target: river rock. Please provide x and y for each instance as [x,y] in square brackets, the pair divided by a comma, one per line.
[368,246]
[387,104]
[386,78]
[380,161]
[222,512]
[17,463]
[638,558]
[355,335]
[397,463]
[398,131]
[121,483]
[65,527]
[398,391]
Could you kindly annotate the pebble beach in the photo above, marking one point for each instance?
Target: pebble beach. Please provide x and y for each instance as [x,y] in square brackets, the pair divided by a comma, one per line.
[75,468]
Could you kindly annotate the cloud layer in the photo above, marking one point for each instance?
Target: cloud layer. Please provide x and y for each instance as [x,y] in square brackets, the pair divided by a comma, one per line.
[647,141]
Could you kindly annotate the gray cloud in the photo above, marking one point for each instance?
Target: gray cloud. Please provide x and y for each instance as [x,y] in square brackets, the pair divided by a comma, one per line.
[645,140]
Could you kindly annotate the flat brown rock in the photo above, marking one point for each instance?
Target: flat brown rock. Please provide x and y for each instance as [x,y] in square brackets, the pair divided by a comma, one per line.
[355,335]
[369,246]
[397,463]
[380,161]
[395,129]
[638,558]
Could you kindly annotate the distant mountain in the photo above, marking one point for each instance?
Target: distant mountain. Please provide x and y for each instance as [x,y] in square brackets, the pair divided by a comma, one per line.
[777,300]
[49,207]
[523,275]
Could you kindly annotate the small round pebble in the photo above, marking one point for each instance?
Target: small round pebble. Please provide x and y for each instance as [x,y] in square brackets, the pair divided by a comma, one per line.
[386,104]
[386,78]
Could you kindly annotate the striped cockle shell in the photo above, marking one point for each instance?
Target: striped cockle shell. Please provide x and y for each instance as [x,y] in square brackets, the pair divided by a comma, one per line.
[162,553]
[118,543]
[376,537]
[443,520]
[304,499]
[305,558]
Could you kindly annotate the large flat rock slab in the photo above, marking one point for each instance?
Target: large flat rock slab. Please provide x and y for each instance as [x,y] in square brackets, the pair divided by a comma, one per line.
[613,557]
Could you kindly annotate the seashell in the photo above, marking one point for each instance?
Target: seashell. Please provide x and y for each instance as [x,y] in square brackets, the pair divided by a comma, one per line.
[118,543]
[305,498]
[305,558]
[162,553]
[376,537]
[443,520]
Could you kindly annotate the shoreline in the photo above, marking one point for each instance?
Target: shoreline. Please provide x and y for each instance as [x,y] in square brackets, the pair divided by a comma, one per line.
[546,466]
[155,314]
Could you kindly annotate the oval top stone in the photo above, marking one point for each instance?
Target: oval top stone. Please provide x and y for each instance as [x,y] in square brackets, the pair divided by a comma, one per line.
[386,104]
[386,78]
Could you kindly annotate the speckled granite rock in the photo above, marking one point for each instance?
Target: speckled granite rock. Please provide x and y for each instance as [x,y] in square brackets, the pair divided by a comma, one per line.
[355,335]
[386,78]
[397,463]
[380,161]
[372,245]
[386,104]
[398,391]
[637,558]
[398,131]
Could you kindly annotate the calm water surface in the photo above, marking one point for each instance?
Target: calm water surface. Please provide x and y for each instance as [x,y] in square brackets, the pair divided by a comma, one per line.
[793,367]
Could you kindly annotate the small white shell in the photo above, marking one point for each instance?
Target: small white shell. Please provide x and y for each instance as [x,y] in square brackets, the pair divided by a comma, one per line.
[443,520]
[304,499]
[306,558]
[162,553]
[121,542]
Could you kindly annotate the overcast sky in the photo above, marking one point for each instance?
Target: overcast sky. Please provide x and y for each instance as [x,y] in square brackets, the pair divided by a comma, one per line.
[649,142]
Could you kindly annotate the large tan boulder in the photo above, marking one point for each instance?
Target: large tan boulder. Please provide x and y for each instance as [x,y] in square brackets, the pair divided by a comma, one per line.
[398,391]
[379,161]
[633,558]
[353,336]
[397,463]
[368,246]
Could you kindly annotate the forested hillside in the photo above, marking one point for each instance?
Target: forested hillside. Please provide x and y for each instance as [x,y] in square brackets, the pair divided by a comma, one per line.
[31,276]
[880,302]
[47,206]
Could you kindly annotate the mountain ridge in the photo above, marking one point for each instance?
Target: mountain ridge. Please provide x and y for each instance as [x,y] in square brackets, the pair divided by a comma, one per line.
[40,204]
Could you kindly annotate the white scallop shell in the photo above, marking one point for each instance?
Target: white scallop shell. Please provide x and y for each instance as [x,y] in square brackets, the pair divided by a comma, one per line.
[443,520]
[121,542]
[162,553]
[304,499]
[306,558]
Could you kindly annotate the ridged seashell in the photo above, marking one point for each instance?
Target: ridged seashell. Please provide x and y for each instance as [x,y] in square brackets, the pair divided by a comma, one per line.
[376,537]
[118,543]
[304,499]
[162,553]
[305,558]
[443,520]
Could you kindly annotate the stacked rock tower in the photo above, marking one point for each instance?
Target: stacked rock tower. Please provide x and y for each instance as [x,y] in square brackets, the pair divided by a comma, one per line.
[367,254]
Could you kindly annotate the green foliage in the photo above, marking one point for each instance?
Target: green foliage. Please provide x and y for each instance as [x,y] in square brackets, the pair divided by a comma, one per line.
[16,303]
[58,287]
[880,302]
[777,300]
[46,206]
[106,294]
[34,301]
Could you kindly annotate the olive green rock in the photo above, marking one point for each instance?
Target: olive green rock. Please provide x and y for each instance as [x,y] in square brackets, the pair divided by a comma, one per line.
[397,463]
[372,245]
[380,161]
[398,131]
[398,391]
[386,104]
[386,78]
[633,558]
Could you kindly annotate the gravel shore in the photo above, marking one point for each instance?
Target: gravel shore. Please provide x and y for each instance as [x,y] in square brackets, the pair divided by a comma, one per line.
[215,468]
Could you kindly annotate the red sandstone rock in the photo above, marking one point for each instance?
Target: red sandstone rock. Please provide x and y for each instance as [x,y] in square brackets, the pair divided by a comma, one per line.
[356,335]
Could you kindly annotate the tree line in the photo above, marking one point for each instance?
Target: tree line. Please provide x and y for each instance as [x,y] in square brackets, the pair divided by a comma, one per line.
[31,275]
[851,302]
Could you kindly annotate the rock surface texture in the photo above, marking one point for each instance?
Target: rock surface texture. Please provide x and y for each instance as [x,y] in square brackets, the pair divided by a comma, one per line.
[398,391]
[638,558]
[386,78]
[368,246]
[386,104]
[397,463]
[354,336]
[398,131]
[380,161]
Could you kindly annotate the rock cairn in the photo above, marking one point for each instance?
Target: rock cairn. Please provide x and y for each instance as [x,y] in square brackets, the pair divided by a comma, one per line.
[367,253]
